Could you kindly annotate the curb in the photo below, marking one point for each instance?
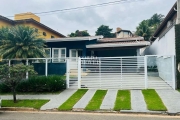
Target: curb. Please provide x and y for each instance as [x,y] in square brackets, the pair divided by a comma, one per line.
[86,111]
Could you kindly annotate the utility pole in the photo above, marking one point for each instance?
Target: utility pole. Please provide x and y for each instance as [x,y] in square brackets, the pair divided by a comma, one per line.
[178,12]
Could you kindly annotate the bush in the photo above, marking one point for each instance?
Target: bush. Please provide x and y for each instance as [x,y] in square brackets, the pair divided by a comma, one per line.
[50,83]
[4,88]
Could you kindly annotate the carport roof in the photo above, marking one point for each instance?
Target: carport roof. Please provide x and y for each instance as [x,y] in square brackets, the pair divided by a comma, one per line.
[120,44]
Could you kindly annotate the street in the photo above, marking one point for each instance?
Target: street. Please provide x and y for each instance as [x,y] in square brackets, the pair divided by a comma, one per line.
[79,116]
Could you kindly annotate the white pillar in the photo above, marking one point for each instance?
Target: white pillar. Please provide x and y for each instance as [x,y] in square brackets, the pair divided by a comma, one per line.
[46,67]
[145,72]
[9,63]
[79,73]
[67,73]
[27,72]
[173,73]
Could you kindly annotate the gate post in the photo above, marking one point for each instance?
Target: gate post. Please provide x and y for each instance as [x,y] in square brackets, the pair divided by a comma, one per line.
[173,72]
[27,75]
[67,73]
[145,72]
[79,72]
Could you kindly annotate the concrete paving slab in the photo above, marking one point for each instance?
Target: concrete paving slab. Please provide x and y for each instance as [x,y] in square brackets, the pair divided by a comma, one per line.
[109,100]
[10,97]
[58,100]
[83,102]
[171,99]
[137,101]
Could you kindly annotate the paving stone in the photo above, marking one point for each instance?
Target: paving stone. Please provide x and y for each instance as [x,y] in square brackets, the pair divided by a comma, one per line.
[137,101]
[58,100]
[109,100]
[83,102]
[171,99]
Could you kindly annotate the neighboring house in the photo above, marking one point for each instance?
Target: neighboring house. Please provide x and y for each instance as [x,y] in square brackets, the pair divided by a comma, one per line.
[31,20]
[166,42]
[123,33]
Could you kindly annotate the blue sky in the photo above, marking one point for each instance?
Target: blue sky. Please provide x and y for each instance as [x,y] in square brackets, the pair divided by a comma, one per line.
[126,15]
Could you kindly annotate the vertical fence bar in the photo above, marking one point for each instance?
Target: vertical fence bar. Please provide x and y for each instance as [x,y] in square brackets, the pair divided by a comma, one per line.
[46,67]
[67,73]
[145,72]
[100,72]
[121,75]
[173,73]
[27,75]
[79,72]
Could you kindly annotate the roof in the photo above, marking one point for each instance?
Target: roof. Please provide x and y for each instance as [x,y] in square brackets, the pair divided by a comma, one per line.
[120,44]
[40,24]
[74,39]
[120,39]
[6,19]
[171,13]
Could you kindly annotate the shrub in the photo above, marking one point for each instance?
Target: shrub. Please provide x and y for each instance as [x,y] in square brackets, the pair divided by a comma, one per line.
[50,83]
[4,88]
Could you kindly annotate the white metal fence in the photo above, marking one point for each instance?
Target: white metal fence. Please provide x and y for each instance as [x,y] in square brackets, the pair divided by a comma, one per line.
[137,72]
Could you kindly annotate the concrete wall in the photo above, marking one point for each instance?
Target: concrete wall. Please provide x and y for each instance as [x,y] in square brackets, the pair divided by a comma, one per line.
[163,46]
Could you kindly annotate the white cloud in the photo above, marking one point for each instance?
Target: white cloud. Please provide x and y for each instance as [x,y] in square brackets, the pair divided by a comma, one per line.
[126,15]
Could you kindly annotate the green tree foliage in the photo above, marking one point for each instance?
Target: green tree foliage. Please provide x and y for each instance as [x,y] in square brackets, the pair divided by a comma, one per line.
[21,42]
[78,33]
[105,31]
[147,27]
[14,74]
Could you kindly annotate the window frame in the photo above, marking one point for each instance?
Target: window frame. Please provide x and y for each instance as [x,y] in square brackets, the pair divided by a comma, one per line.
[59,55]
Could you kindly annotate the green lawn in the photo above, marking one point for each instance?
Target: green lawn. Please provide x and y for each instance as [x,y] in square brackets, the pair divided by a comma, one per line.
[153,100]
[24,103]
[68,105]
[96,101]
[123,100]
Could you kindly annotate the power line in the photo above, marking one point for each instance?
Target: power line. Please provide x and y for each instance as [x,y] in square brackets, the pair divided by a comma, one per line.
[84,7]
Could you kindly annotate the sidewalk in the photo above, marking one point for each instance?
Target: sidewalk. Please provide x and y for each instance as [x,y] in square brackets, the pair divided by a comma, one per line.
[170,98]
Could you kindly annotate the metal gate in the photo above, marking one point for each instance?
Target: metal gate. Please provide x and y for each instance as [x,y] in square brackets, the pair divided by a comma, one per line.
[135,72]
[113,73]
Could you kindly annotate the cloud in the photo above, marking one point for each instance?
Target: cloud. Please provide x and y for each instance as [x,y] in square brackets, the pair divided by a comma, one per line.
[125,15]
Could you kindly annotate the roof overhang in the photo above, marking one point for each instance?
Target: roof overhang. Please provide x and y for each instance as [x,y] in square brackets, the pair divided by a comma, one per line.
[120,39]
[88,38]
[113,45]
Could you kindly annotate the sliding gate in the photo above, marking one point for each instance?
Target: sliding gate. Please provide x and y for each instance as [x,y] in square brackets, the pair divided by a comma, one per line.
[112,73]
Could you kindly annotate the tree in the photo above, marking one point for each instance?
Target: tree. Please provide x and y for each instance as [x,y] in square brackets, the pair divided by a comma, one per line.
[21,42]
[14,74]
[79,33]
[105,31]
[144,30]
[147,27]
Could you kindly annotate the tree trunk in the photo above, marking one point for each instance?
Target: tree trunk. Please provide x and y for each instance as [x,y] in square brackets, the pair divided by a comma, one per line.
[14,95]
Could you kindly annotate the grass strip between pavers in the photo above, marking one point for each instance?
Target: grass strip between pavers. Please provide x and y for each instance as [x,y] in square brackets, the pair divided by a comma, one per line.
[123,100]
[68,105]
[153,100]
[24,103]
[96,100]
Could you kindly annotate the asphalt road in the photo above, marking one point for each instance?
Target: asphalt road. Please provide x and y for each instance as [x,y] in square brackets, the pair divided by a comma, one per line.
[79,116]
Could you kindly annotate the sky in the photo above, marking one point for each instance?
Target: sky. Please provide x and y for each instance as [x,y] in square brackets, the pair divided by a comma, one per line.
[126,15]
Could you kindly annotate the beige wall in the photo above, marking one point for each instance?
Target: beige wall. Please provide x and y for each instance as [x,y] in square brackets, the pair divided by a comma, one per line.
[123,34]
[4,23]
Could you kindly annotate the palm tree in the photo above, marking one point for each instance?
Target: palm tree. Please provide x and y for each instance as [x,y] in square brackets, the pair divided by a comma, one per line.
[144,30]
[21,42]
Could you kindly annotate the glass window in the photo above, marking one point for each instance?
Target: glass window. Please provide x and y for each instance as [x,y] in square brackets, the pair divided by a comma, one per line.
[59,53]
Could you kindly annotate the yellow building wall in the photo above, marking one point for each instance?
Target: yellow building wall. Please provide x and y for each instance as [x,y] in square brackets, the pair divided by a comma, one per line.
[41,30]
[27,15]
[4,23]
